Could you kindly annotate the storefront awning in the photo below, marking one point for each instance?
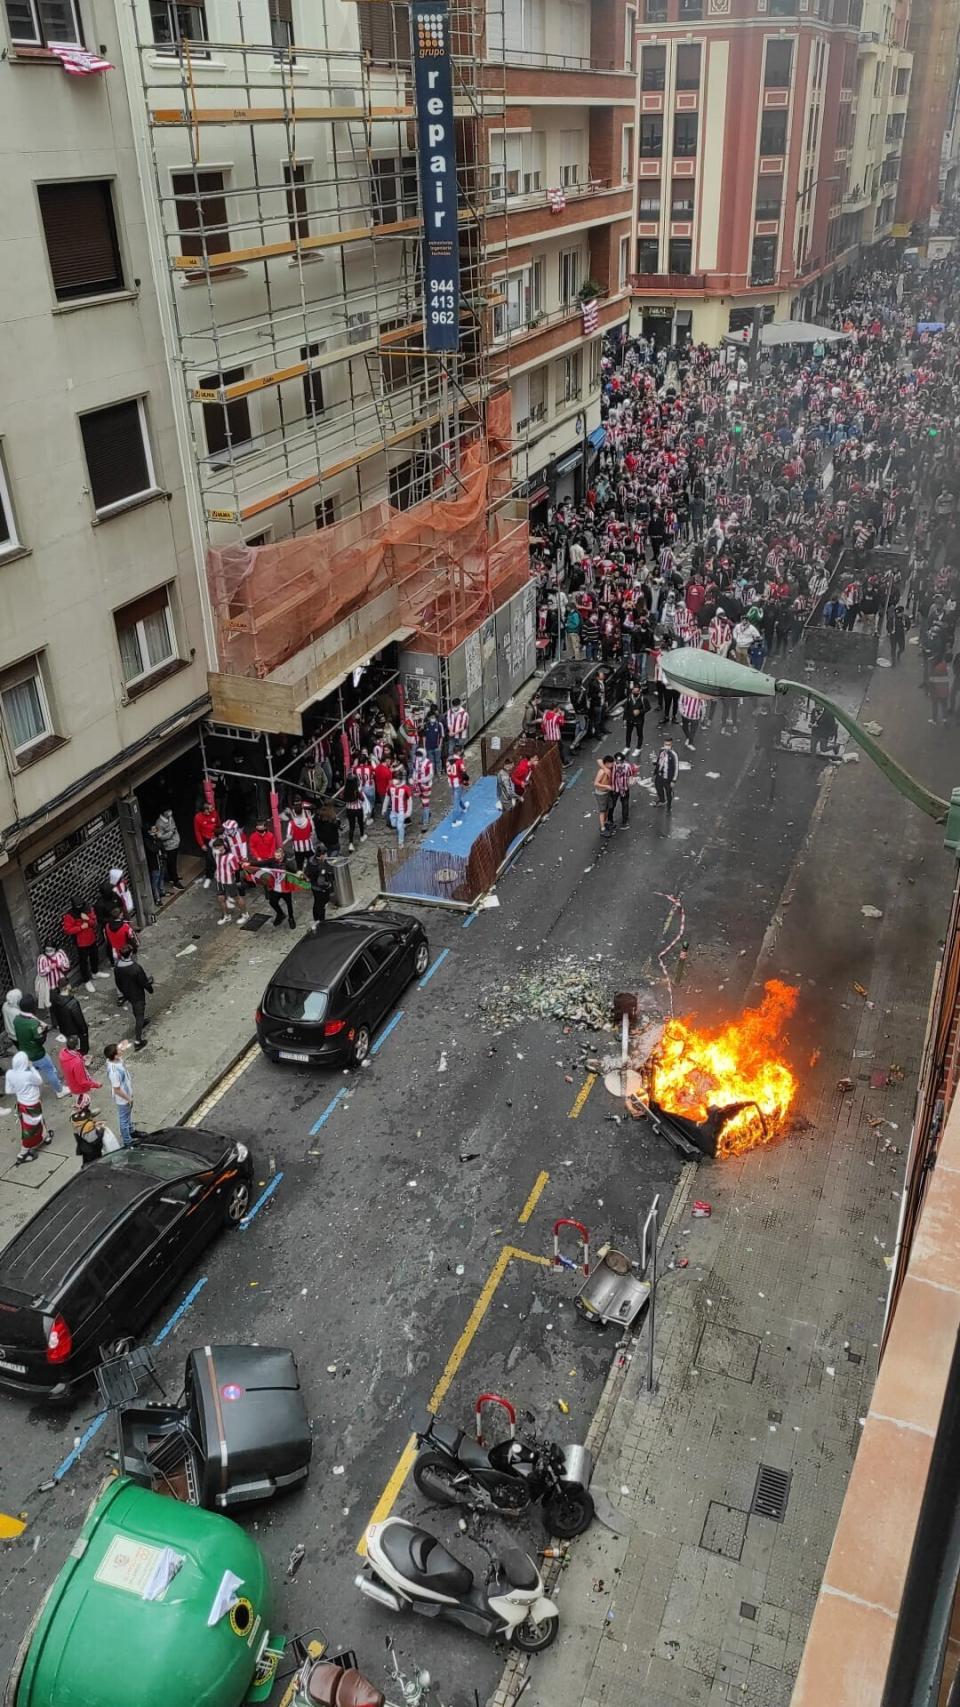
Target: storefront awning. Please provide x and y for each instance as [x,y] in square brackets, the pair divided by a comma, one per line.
[598,437]
[568,463]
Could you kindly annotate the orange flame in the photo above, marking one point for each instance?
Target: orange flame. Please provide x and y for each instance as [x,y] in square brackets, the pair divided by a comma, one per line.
[694,1072]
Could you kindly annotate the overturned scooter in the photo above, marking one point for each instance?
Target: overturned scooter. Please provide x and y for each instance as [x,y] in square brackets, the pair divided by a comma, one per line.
[407,1568]
[453,1469]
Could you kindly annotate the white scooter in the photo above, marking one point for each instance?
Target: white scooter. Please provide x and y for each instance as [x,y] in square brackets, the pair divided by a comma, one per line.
[405,1567]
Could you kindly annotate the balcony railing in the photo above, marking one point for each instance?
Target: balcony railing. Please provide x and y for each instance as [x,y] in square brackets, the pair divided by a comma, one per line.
[667,281]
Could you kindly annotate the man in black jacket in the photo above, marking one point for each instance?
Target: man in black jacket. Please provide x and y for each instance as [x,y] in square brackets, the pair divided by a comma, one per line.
[320,878]
[134,986]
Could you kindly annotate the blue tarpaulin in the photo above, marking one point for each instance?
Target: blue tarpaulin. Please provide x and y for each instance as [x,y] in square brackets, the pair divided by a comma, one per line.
[598,437]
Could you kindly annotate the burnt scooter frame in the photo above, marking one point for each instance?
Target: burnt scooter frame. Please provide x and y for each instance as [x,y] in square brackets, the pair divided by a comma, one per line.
[451,1469]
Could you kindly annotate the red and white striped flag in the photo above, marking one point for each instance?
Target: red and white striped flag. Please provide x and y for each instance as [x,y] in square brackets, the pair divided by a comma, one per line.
[591,315]
[557,200]
[79,63]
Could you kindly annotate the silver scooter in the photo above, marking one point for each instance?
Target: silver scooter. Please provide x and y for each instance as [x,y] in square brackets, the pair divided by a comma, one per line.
[406,1568]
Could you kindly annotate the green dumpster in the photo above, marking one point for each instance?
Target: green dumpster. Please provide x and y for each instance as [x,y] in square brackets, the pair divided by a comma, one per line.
[158,1602]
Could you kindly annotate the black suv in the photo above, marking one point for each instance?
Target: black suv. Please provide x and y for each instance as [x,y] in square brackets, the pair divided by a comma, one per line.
[323,1004]
[88,1271]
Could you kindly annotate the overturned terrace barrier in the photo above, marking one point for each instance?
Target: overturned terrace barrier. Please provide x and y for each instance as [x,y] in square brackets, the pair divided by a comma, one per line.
[417,873]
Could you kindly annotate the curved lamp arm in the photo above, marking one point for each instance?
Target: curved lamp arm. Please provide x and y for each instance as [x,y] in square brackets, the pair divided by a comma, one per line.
[931,804]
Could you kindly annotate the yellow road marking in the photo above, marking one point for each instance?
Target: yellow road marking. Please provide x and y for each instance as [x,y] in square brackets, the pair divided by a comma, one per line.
[226,1083]
[388,1498]
[533,1199]
[582,1095]
[11,1527]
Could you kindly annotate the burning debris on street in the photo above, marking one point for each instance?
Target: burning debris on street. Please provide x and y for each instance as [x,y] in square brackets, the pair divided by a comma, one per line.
[722,1090]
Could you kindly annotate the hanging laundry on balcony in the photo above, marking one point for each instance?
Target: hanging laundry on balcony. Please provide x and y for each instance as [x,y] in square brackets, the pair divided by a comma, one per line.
[79,62]
[557,200]
[591,314]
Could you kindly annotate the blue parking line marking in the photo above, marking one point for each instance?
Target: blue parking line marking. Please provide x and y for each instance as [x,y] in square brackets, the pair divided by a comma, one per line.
[181,1310]
[441,957]
[81,1446]
[385,1033]
[325,1116]
[93,1428]
[468,920]
[576,775]
[261,1200]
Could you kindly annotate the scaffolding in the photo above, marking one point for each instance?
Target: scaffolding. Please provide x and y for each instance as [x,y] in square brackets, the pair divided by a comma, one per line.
[341,467]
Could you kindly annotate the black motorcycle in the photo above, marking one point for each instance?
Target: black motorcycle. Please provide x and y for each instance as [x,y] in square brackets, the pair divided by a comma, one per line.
[453,1470]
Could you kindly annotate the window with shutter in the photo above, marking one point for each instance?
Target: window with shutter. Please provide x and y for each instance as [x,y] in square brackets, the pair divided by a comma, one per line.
[226,425]
[145,635]
[201,213]
[312,381]
[384,31]
[295,178]
[118,453]
[281,26]
[81,236]
[27,722]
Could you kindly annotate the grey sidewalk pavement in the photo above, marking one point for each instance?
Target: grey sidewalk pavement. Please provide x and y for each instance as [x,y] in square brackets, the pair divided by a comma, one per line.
[208,981]
[767,1343]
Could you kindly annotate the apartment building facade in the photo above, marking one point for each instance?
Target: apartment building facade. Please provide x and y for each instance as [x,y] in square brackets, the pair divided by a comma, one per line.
[103,642]
[745,125]
[935,40]
[560,184]
[883,91]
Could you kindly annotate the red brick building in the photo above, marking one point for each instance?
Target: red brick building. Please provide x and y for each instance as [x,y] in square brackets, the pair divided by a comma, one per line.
[745,125]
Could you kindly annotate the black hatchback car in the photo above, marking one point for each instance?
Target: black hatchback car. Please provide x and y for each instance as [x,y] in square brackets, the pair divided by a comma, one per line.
[323,1004]
[86,1274]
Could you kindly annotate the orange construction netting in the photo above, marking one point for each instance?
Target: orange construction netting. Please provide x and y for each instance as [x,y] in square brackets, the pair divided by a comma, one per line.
[449,562]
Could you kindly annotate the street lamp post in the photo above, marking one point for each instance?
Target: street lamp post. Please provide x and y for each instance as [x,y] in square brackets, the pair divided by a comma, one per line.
[695,671]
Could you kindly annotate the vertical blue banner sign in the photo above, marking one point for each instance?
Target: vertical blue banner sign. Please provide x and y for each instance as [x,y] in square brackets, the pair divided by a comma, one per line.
[433,82]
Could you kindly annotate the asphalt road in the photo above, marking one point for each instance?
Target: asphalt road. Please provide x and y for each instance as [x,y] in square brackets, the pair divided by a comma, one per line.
[390,1216]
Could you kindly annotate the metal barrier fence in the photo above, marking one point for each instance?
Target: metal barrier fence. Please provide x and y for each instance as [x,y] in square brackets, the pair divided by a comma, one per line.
[418,873]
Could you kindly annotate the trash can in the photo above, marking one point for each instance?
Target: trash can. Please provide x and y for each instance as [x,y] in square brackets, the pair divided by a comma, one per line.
[342,882]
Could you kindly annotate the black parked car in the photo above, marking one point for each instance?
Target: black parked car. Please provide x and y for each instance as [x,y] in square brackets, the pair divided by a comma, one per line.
[86,1274]
[323,1004]
[561,684]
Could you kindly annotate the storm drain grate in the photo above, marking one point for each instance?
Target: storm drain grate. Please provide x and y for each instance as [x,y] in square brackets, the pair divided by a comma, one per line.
[771,1493]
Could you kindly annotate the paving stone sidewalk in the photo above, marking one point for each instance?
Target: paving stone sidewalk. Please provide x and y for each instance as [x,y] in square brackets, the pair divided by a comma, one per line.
[767,1343]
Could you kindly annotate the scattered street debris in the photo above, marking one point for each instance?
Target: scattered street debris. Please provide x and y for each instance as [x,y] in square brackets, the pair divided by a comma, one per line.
[565,989]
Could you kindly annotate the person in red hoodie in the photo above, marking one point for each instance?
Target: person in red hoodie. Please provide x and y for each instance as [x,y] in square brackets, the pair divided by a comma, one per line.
[206,825]
[80,925]
[382,778]
[262,844]
[73,1069]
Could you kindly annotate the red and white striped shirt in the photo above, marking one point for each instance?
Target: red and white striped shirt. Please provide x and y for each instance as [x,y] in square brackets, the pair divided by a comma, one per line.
[301,829]
[365,775]
[423,772]
[226,864]
[53,967]
[455,770]
[457,721]
[552,723]
[400,800]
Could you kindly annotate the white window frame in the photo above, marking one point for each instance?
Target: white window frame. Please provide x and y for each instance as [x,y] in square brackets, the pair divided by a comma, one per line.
[596,352]
[630,38]
[571,262]
[153,484]
[572,158]
[138,628]
[517,163]
[29,669]
[571,376]
[528,283]
[14,542]
[627,150]
[624,262]
[39,40]
[540,410]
